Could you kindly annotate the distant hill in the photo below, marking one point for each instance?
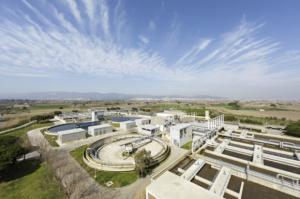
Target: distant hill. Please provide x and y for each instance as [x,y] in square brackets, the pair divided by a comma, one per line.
[99,96]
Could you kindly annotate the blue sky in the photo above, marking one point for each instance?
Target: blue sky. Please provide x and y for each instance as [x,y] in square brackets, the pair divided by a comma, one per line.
[236,49]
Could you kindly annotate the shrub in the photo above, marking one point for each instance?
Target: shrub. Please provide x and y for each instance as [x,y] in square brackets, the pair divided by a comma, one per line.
[230,118]
[293,129]
[10,150]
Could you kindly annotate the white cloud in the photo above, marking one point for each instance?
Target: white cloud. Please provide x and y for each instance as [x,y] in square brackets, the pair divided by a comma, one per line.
[151,26]
[231,64]
[74,10]
[104,12]
[143,39]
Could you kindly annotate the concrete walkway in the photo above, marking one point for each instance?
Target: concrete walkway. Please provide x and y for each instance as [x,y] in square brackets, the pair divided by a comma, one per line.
[18,127]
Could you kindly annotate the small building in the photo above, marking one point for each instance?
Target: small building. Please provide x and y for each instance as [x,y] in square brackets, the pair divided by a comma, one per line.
[171,186]
[126,125]
[71,135]
[142,121]
[162,122]
[180,134]
[100,129]
[149,129]
[97,115]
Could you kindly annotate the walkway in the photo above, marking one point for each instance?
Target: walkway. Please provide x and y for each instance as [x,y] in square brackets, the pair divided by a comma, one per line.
[18,127]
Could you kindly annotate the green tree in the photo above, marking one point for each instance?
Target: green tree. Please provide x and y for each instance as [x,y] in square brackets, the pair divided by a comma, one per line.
[57,112]
[10,150]
[143,161]
[293,129]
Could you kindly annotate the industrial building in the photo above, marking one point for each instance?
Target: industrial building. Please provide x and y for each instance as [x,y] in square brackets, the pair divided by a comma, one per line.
[142,121]
[180,134]
[171,186]
[149,129]
[71,135]
[126,125]
[229,162]
[100,129]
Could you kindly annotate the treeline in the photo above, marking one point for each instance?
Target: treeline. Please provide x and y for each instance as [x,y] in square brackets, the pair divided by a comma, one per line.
[293,129]
[113,108]
[255,120]
[45,117]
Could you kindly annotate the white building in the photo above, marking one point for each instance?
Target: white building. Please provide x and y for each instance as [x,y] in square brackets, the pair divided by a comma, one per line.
[149,129]
[99,129]
[96,115]
[71,135]
[171,186]
[126,125]
[142,121]
[180,134]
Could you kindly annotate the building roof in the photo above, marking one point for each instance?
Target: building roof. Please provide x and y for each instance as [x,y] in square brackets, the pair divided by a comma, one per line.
[181,126]
[99,126]
[143,119]
[171,186]
[126,122]
[149,126]
[71,131]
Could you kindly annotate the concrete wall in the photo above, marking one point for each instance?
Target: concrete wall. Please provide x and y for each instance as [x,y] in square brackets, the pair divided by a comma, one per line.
[71,137]
[148,132]
[100,131]
[180,137]
[142,121]
[127,125]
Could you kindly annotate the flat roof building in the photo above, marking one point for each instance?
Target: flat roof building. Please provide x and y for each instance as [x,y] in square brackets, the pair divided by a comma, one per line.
[171,186]
[180,134]
[127,125]
[71,135]
[148,129]
[142,121]
[100,129]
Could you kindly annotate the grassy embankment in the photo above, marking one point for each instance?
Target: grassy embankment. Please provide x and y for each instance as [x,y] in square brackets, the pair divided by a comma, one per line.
[119,179]
[187,146]
[30,178]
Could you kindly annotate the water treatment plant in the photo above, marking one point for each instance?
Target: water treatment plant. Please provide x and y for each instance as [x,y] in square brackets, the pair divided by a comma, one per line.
[224,160]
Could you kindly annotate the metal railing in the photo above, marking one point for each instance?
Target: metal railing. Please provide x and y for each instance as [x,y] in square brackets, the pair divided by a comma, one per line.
[248,171]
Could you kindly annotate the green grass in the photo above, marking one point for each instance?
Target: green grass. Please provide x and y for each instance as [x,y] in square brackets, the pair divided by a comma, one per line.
[118,178]
[293,129]
[187,145]
[49,106]
[51,139]
[29,180]
[115,124]
[21,133]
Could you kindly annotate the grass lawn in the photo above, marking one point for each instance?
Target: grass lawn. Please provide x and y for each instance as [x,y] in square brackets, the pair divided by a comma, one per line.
[118,178]
[29,179]
[187,146]
[51,139]
[21,133]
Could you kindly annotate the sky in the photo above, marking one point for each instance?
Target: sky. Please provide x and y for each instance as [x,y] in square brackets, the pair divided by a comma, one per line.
[234,49]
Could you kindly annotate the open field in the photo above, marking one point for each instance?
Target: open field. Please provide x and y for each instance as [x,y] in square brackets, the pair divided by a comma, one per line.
[29,179]
[288,114]
[279,111]
[119,179]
